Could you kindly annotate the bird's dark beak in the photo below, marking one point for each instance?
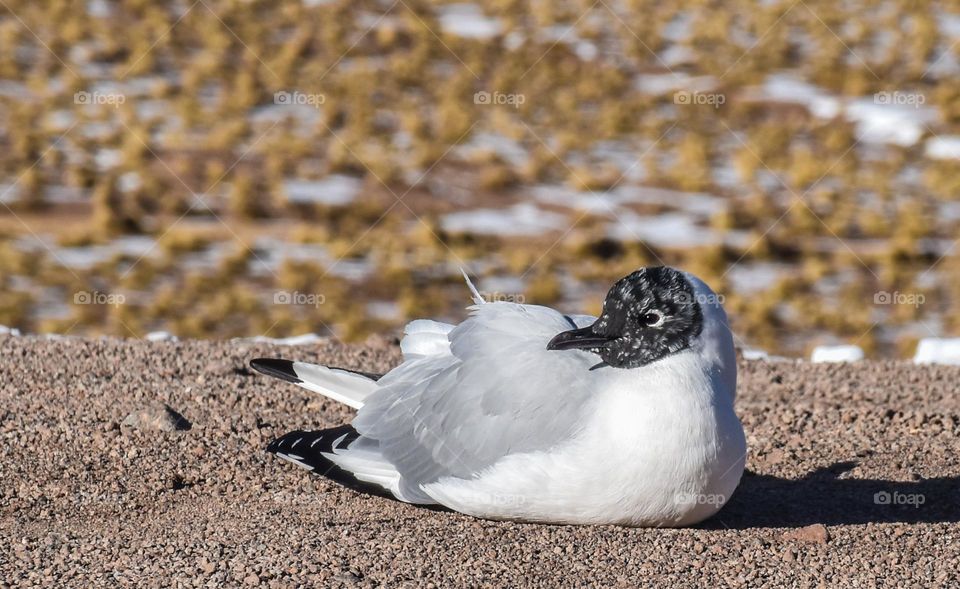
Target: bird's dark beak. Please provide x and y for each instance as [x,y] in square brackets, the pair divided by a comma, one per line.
[578,339]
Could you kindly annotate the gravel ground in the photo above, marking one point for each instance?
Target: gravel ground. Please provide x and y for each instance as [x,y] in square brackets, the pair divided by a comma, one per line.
[102,488]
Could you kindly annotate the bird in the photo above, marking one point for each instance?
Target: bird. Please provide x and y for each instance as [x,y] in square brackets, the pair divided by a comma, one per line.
[524,413]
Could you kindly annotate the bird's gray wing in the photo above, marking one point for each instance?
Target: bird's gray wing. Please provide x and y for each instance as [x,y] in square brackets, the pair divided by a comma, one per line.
[496,390]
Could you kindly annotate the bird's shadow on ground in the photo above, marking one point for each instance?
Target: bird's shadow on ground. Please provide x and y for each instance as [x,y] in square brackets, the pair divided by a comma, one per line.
[824,496]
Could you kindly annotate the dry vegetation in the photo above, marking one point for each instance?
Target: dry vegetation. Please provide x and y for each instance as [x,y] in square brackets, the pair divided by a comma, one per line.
[160,120]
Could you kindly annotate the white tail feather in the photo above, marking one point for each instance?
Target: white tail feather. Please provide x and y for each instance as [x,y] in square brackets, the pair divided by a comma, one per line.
[344,386]
[369,467]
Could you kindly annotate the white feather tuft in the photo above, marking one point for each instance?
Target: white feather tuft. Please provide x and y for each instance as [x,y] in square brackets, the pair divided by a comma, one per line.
[477,297]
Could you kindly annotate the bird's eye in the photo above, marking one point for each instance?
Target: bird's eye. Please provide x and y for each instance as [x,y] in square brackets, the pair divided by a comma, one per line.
[652,318]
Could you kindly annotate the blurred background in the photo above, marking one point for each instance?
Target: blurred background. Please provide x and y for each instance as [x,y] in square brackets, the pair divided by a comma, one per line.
[225,168]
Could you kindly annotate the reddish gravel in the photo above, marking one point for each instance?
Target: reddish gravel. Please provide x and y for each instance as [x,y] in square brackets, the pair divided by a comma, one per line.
[88,500]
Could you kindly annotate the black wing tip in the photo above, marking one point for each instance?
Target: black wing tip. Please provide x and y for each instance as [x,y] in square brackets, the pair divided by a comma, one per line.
[277,444]
[276,367]
[309,447]
[317,441]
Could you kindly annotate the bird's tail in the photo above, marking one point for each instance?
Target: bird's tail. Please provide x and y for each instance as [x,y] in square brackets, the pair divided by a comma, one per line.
[316,451]
[340,453]
[346,386]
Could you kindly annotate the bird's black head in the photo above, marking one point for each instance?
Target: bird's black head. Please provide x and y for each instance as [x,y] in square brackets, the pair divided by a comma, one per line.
[646,316]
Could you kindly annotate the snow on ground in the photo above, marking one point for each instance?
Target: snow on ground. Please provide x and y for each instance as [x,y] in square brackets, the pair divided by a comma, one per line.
[88,256]
[672,230]
[519,220]
[843,353]
[161,336]
[751,277]
[897,118]
[468,21]
[934,350]
[898,124]
[270,254]
[333,190]
[787,88]
[754,354]
[945,147]
[658,84]
[508,149]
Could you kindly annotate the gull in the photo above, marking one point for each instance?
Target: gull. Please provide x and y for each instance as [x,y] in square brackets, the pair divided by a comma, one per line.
[524,413]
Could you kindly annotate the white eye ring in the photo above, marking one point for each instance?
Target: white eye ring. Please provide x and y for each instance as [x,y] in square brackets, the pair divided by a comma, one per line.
[660,317]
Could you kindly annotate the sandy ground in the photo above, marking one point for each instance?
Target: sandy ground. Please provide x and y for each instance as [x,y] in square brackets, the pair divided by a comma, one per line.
[88,501]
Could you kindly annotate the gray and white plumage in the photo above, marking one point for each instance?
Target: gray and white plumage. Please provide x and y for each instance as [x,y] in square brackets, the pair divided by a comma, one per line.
[522,412]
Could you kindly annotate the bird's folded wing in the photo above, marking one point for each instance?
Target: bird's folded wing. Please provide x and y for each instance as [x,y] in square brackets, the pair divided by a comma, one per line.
[424,337]
[494,391]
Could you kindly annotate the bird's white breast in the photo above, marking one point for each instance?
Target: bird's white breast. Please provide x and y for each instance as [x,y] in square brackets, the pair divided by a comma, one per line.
[661,447]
